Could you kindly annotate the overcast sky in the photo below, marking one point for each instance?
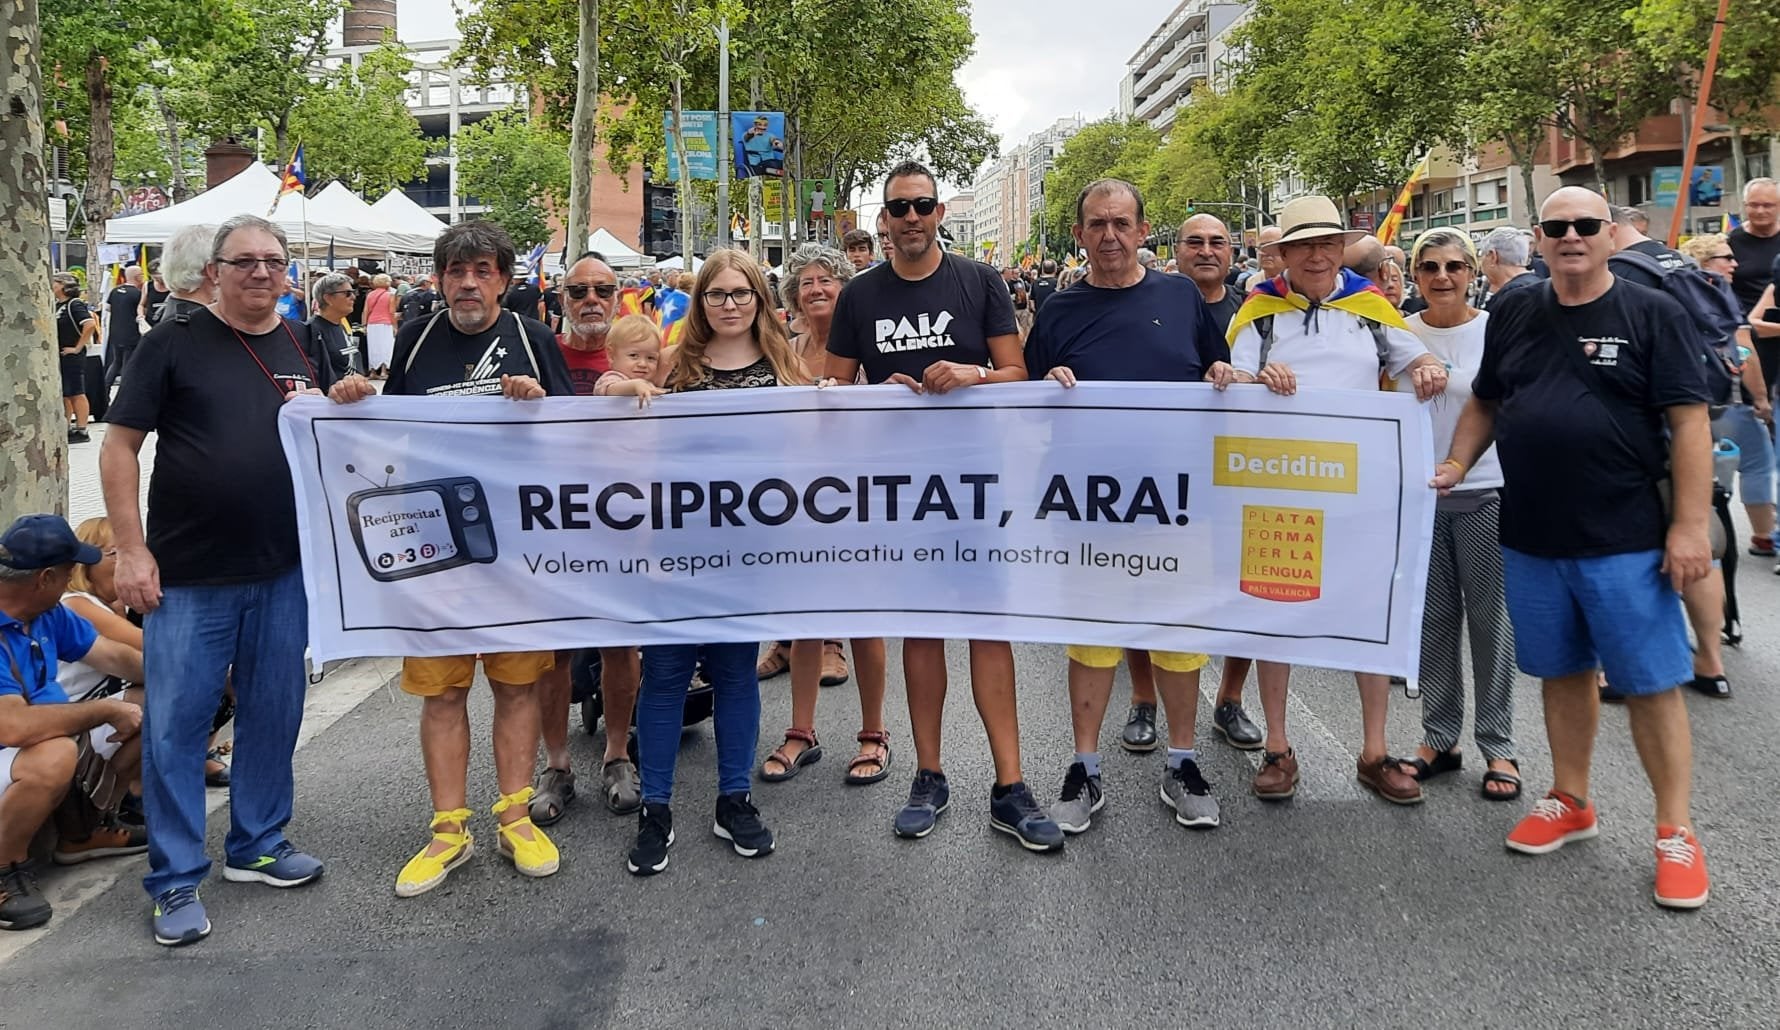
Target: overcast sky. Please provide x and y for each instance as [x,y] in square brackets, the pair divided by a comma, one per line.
[1036,60]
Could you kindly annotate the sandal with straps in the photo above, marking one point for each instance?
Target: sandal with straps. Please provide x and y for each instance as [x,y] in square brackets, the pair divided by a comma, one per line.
[534,855]
[426,871]
[791,766]
[879,758]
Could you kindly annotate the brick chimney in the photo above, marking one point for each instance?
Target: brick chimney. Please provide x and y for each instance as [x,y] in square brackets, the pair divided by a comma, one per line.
[225,159]
[367,21]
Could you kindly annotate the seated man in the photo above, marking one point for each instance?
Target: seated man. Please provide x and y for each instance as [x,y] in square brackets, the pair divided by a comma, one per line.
[37,722]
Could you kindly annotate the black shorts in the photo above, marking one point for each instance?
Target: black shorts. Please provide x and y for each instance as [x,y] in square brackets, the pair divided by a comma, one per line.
[74,375]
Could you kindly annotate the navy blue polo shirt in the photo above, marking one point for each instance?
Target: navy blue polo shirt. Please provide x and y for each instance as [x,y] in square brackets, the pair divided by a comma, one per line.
[61,636]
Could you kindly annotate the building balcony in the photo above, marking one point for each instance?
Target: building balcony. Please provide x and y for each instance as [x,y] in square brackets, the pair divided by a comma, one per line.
[1171,91]
[1170,31]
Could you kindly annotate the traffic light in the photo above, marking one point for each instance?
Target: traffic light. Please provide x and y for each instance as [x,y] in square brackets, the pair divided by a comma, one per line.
[1190,205]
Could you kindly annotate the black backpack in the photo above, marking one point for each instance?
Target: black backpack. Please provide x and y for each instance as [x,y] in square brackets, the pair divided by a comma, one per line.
[1713,310]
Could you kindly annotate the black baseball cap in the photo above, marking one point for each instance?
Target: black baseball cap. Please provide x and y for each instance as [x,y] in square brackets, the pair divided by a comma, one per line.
[43,542]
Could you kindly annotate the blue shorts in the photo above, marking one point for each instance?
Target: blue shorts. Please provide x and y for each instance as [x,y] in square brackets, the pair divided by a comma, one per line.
[1618,613]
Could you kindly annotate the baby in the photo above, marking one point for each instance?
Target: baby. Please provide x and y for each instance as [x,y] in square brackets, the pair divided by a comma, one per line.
[634,346]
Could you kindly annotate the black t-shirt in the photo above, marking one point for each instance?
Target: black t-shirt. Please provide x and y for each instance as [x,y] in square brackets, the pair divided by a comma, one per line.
[121,303]
[453,364]
[418,304]
[156,298]
[890,324]
[1041,291]
[220,504]
[1582,456]
[332,336]
[1757,257]
[1160,330]
[71,318]
[1519,282]
[522,297]
[553,302]
[1225,310]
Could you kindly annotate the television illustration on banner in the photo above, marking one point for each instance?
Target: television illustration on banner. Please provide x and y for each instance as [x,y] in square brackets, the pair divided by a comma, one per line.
[757,142]
[414,529]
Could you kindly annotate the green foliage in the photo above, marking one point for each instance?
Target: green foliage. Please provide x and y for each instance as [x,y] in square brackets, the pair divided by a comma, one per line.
[518,169]
[1113,147]
[1675,34]
[257,78]
[355,126]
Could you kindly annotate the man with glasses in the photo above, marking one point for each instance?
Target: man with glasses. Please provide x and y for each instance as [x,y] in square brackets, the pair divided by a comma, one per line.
[590,295]
[38,723]
[1131,323]
[474,348]
[217,575]
[1588,590]
[936,322]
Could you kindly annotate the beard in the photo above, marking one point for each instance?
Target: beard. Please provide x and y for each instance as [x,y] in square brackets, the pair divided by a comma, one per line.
[589,335]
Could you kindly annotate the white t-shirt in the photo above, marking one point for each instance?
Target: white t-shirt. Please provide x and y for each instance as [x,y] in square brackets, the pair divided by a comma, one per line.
[1327,349]
[1461,348]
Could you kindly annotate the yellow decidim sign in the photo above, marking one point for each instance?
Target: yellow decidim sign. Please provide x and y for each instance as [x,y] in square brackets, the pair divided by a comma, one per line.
[1321,465]
[1282,553]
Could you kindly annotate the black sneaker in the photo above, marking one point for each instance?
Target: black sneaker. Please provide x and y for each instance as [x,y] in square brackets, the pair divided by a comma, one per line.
[738,822]
[928,797]
[1018,814]
[22,905]
[655,834]
[78,436]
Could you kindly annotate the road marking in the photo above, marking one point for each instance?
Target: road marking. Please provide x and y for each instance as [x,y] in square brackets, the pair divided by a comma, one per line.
[1326,764]
[70,888]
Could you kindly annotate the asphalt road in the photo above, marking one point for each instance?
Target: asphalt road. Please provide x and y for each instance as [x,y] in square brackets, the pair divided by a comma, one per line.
[1333,909]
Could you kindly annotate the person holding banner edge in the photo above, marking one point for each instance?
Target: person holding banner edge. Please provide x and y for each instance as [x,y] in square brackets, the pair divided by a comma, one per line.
[474,348]
[923,286]
[734,340]
[1127,322]
[1321,321]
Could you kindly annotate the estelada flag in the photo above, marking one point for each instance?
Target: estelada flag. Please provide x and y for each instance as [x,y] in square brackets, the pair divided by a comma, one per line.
[294,179]
[1393,221]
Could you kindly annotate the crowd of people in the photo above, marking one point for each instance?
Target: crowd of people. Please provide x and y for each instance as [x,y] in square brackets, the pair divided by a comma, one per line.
[1560,385]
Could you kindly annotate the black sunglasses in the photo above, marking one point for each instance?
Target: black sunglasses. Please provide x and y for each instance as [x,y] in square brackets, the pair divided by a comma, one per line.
[1434,267]
[606,291]
[1558,228]
[899,207]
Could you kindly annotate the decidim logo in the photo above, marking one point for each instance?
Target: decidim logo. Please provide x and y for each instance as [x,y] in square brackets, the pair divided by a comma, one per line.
[418,528]
[1318,465]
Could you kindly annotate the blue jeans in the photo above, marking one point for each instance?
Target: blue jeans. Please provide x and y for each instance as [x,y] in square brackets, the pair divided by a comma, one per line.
[661,704]
[1755,461]
[251,634]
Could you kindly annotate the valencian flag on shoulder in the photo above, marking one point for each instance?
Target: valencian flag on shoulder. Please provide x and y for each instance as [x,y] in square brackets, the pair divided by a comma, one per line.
[1354,294]
[293,180]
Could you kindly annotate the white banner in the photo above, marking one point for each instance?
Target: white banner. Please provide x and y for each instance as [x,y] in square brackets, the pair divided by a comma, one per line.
[1158,516]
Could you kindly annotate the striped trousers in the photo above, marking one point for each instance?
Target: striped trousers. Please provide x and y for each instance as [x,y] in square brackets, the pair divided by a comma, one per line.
[1465,592]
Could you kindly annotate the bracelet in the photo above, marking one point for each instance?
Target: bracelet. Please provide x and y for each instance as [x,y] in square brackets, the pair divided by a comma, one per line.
[982,373]
[1455,463]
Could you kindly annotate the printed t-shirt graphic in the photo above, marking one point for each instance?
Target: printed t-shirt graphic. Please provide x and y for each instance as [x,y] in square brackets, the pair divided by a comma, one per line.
[890,324]
[435,359]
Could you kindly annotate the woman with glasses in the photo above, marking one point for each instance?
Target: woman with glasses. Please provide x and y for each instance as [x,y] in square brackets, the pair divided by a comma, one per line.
[734,341]
[333,304]
[380,326]
[1465,589]
[813,280]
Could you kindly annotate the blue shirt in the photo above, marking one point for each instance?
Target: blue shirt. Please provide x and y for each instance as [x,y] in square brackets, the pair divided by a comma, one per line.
[1160,330]
[61,636]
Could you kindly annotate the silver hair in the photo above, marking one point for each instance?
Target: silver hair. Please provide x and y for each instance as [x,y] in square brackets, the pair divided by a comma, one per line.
[1510,245]
[329,283]
[239,222]
[1760,180]
[802,258]
[184,255]
[12,577]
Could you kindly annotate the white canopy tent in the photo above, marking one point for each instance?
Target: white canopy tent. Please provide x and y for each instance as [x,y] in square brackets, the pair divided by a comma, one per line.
[617,253]
[337,205]
[678,264]
[250,193]
[400,210]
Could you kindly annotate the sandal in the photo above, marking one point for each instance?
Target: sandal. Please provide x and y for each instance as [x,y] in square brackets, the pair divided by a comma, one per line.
[531,856]
[1496,776]
[425,871]
[790,766]
[879,757]
[555,790]
[776,662]
[1444,762]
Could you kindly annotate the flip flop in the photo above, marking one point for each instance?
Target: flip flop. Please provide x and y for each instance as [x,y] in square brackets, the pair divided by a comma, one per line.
[810,755]
[855,779]
[1497,776]
[1444,762]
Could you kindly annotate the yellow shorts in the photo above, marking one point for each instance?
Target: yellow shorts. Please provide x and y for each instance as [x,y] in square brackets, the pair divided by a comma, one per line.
[1109,657]
[430,677]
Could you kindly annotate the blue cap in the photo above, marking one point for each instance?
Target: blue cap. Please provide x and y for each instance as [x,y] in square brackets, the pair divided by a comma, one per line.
[43,542]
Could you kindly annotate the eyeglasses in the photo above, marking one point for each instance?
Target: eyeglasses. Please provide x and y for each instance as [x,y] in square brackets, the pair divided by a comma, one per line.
[1435,268]
[899,207]
[717,298]
[1558,228]
[338,293]
[246,265]
[605,291]
[1721,257]
[1197,242]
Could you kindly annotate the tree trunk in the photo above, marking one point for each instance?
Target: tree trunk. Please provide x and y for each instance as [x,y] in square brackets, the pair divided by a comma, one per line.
[1523,159]
[33,442]
[95,201]
[1733,185]
[175,146]
[581,131]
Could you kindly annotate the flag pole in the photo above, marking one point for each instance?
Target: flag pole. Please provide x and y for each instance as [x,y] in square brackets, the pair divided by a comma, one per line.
[1677,220]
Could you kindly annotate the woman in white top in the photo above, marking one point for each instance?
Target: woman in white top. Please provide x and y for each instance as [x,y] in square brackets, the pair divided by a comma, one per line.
[1465,570]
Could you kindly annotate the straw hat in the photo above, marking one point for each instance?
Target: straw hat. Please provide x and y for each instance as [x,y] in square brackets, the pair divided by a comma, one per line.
[1309,218]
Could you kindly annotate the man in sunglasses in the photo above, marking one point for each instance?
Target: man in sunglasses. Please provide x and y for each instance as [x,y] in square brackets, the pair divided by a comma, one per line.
[590,297]
[1578,382]
[936,322]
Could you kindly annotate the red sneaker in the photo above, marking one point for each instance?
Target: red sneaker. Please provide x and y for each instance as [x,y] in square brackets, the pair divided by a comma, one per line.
[1554,821]
[1681,880]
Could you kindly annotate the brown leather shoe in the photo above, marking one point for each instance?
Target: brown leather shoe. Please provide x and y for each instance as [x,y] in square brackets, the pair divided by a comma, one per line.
[1390,779]
[834,664]
[1278,778]
[776,660]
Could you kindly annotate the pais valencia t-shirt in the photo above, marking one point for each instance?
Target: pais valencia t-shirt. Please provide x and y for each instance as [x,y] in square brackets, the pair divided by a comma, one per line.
[890,324]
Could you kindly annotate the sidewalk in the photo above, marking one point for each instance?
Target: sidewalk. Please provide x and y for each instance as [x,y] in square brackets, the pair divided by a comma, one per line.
[85,500]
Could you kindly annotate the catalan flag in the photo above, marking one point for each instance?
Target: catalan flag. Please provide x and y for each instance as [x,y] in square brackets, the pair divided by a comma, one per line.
[1393,221]
[535,266]
[295,179]
[1730,222]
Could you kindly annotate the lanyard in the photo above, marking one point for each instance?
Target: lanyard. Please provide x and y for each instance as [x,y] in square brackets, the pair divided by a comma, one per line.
[270,378]
[12,659]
